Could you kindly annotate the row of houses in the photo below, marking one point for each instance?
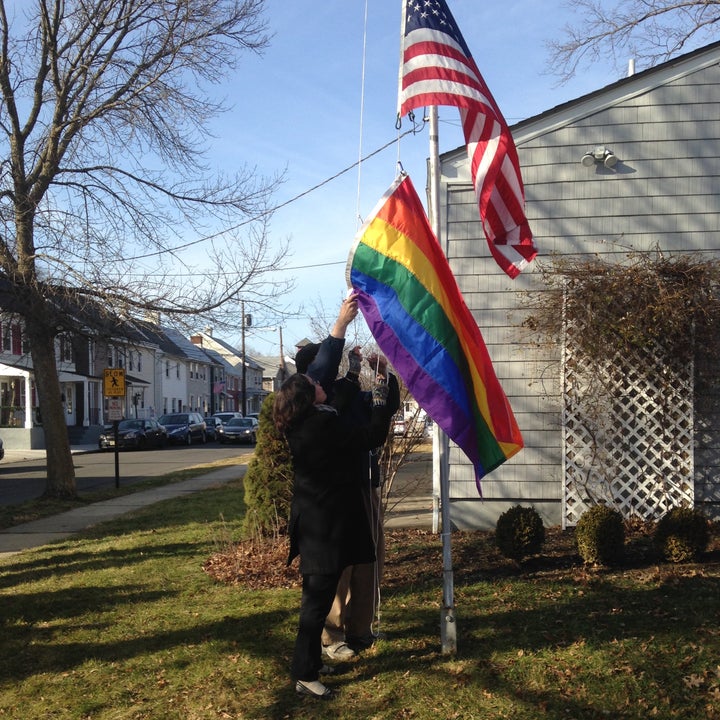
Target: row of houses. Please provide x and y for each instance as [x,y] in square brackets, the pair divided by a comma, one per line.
[164,372]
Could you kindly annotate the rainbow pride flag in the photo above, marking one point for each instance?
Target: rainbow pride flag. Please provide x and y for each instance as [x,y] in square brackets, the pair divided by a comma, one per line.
[419,319]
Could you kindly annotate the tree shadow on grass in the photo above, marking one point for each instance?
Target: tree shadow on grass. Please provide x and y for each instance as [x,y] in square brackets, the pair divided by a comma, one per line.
[29,650]
[628,640]
[70,559]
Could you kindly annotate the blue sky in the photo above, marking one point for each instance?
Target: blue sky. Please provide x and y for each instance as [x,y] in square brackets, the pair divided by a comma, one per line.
[297,109]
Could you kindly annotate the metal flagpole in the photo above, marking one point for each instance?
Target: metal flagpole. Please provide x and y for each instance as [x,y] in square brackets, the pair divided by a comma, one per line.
[448,629]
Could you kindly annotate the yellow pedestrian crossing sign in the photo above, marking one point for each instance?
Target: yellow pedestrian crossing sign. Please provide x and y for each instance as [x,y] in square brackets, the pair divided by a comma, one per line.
[114,382]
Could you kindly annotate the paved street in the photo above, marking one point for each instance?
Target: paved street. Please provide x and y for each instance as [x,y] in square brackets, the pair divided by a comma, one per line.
[23,478]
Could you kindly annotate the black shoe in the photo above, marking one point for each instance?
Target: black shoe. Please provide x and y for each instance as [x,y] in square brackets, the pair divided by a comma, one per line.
[313,688]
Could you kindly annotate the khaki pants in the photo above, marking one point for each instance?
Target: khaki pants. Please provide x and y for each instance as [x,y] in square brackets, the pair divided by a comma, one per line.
[358,591]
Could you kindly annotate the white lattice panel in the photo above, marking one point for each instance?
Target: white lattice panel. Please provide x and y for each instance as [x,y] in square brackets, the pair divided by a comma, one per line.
[627,434]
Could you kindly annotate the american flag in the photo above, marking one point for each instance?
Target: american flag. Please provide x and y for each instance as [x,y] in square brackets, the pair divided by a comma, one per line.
[437,69]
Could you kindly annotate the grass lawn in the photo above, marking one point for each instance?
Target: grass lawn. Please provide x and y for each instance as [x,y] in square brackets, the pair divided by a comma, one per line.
[123,623]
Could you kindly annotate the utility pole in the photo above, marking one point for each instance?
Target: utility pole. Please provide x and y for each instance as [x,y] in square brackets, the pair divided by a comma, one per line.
[246,322]
[244,364]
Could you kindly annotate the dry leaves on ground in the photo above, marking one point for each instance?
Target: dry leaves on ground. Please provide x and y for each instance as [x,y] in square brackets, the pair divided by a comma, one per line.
[414,557]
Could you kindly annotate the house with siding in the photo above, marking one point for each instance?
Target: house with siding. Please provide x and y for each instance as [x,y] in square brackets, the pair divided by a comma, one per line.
[82,357]
[243,375]
[198,370]
[660,189]
[223,380]
[276,369]
[135,353]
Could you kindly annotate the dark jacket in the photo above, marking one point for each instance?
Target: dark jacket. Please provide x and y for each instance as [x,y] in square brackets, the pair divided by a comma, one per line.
[355,410]
[329,528]
[324,366]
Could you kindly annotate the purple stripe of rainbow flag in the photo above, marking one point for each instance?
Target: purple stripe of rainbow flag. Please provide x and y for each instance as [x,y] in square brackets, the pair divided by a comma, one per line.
[417,315]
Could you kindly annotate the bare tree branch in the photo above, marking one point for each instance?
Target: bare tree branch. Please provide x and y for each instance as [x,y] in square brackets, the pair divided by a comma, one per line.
[648,31]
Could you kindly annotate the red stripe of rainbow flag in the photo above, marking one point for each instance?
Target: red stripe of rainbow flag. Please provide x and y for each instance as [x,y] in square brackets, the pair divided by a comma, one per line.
[417,315]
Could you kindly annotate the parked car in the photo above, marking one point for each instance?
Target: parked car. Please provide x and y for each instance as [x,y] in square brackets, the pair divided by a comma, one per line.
[225,416]
[240,430]
[213,424]
[134,433]
[183,428]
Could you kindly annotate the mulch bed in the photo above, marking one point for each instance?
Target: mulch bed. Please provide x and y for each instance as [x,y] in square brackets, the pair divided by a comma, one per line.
[414,557]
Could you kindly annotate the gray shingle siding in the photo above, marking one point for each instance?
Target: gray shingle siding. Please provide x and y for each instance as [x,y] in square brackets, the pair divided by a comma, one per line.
[664,126]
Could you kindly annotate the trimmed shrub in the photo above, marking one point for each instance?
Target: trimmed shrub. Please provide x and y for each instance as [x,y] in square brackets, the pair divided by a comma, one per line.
[600,536]
[268,480]
[519,532]
[682,535]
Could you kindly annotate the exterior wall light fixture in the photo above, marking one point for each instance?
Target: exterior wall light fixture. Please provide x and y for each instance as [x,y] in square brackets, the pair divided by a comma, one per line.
[600,154]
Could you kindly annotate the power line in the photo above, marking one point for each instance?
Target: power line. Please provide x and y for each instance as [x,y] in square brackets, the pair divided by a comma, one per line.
[413,130]
[234,273]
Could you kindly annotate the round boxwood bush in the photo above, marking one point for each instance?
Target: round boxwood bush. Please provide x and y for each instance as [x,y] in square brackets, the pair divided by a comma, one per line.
[519,532]
[682,535]
[600,536]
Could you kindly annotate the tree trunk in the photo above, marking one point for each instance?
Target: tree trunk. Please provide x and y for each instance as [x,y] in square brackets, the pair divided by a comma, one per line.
[60,468]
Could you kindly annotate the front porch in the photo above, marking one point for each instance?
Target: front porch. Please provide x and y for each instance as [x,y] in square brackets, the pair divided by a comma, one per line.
[20,419]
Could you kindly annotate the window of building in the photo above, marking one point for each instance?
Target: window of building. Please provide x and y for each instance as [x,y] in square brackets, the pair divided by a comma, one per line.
[16,340]
[64,348]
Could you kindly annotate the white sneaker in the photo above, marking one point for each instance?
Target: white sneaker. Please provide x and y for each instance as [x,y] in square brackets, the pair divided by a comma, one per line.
[313,688]
[338,651]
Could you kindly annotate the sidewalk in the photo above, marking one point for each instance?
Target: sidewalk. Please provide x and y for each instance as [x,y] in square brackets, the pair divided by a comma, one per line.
[410,512]
[413,512]
[59,527]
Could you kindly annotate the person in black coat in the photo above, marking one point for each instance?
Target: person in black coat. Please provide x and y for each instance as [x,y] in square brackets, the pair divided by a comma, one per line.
[329,527]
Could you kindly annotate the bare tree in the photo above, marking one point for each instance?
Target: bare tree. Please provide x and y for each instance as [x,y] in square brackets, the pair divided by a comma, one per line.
[648,31]
[104,186]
